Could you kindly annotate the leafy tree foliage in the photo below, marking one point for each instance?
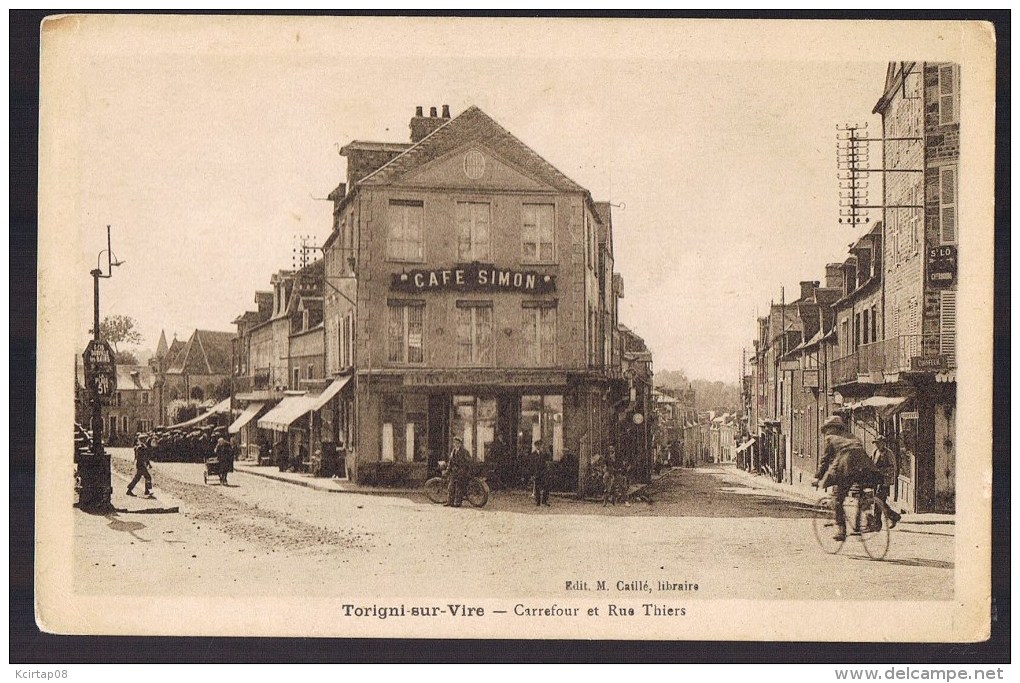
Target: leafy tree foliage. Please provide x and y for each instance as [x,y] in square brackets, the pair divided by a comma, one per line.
[119,329]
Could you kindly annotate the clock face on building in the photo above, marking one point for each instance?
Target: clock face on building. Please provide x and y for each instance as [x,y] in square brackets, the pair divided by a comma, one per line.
[474,164]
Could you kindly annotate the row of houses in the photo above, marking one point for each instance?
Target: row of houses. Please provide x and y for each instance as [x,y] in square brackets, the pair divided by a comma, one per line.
[877,342]
[467,289]
[688,437]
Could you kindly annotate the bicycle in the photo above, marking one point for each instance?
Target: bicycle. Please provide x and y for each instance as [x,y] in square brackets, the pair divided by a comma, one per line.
[437,489]
[864,512]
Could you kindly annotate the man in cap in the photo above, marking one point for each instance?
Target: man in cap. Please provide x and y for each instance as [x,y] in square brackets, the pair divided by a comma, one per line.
[460,472]
[541,461]
[844,463]
[141,468]
[885,462]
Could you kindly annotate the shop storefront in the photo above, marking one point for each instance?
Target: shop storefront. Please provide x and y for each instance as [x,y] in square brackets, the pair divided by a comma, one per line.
[410,420]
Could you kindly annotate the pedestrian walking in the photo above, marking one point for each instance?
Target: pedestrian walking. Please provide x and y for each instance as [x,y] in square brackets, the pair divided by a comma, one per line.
[141,468]
[609,477]
[541,464]
[460,472]
[224,453]
[885,462]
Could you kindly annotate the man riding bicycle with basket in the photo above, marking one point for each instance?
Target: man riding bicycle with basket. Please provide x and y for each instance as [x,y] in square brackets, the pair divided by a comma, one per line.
[844,463]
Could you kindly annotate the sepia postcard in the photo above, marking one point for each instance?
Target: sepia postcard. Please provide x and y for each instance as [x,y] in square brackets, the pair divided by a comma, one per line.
[621,329]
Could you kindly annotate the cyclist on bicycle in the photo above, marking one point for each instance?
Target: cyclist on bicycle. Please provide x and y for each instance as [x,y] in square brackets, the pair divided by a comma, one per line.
[844,463]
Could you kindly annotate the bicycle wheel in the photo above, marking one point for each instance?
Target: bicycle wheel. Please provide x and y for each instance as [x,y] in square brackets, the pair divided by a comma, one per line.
[873,529]
[825,526]
[477,492]
[436,490]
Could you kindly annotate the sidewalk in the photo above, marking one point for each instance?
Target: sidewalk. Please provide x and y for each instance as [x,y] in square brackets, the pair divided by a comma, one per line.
[320,483]
[811,495]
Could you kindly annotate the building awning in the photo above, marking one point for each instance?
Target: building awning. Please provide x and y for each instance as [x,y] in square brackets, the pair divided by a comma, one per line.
[218,409]
[329,392]
[280,418]
[247,415]
[744,446]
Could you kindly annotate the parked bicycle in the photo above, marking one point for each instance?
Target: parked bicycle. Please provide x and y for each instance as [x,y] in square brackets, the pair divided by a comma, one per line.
[864,516]
[438,488]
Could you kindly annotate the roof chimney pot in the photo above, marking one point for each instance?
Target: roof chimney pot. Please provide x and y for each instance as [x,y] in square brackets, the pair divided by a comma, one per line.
[418,111]
[432,112]
[446,111]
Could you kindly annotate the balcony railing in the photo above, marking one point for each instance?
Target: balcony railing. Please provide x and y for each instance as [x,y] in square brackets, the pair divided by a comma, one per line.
[905,353]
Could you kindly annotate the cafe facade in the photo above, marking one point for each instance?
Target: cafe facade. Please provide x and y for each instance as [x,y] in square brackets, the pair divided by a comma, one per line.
[471,294]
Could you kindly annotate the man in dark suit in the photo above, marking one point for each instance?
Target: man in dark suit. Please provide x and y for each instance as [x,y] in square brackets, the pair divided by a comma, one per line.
[541,462]
[460,472]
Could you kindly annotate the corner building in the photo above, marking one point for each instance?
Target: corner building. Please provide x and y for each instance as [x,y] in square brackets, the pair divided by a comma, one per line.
[467,296]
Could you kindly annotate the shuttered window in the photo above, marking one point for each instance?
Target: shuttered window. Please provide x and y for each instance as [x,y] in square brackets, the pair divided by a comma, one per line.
[404,240]
[406,332]
[947,204]
[473,231]
[947,324]
[474,333]
[947,94]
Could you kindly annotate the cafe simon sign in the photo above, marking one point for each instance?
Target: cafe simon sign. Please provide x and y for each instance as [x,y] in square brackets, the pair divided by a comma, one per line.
[474,278]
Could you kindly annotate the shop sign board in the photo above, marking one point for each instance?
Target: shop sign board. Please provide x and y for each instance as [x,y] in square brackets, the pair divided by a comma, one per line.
[942,264]
[476,377]
[811,378]
[929,363]
[474,277]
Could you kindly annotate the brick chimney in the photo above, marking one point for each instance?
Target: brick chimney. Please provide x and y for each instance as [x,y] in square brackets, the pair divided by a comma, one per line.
[807,289]
[422,126]
[834,276]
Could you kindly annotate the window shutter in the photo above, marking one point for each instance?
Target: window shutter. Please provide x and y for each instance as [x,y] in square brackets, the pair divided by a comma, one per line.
[947,204]
[947,324]
[947,94]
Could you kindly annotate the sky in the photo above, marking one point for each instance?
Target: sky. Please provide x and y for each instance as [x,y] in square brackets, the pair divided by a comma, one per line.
[211,146]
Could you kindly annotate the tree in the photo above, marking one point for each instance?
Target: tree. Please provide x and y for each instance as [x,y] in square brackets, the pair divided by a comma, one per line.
[125,358]
[119,329]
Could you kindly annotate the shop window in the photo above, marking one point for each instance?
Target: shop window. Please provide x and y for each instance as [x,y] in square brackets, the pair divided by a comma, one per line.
[124,424]
[415,443]
[474,333]
[540,335]
[542,419]
[538,233]
[474,420]
[113,426]
[406,332]
[473,221]
[405,237]
[387,442]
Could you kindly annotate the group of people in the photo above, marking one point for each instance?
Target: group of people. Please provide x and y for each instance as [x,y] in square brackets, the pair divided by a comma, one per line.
[845,462]
[615,474]
[540,468]
[191,444]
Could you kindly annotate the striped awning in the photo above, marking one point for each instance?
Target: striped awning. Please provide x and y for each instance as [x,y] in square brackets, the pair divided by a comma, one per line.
[218,409]
[280,418]
[246,416]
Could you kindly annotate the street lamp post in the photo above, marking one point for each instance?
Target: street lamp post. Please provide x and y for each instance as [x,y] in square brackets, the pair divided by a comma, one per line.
[101,383]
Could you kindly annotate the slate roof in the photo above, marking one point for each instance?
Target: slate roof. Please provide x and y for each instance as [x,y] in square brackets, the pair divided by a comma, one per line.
[472,125]
[206,353]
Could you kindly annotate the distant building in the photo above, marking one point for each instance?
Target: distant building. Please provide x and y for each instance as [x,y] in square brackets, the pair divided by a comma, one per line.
[132,409]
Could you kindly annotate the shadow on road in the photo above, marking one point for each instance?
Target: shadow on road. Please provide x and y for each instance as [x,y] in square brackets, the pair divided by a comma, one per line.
[912,562]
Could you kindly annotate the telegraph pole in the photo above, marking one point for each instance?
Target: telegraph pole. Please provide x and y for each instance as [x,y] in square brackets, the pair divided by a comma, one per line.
[101,384]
